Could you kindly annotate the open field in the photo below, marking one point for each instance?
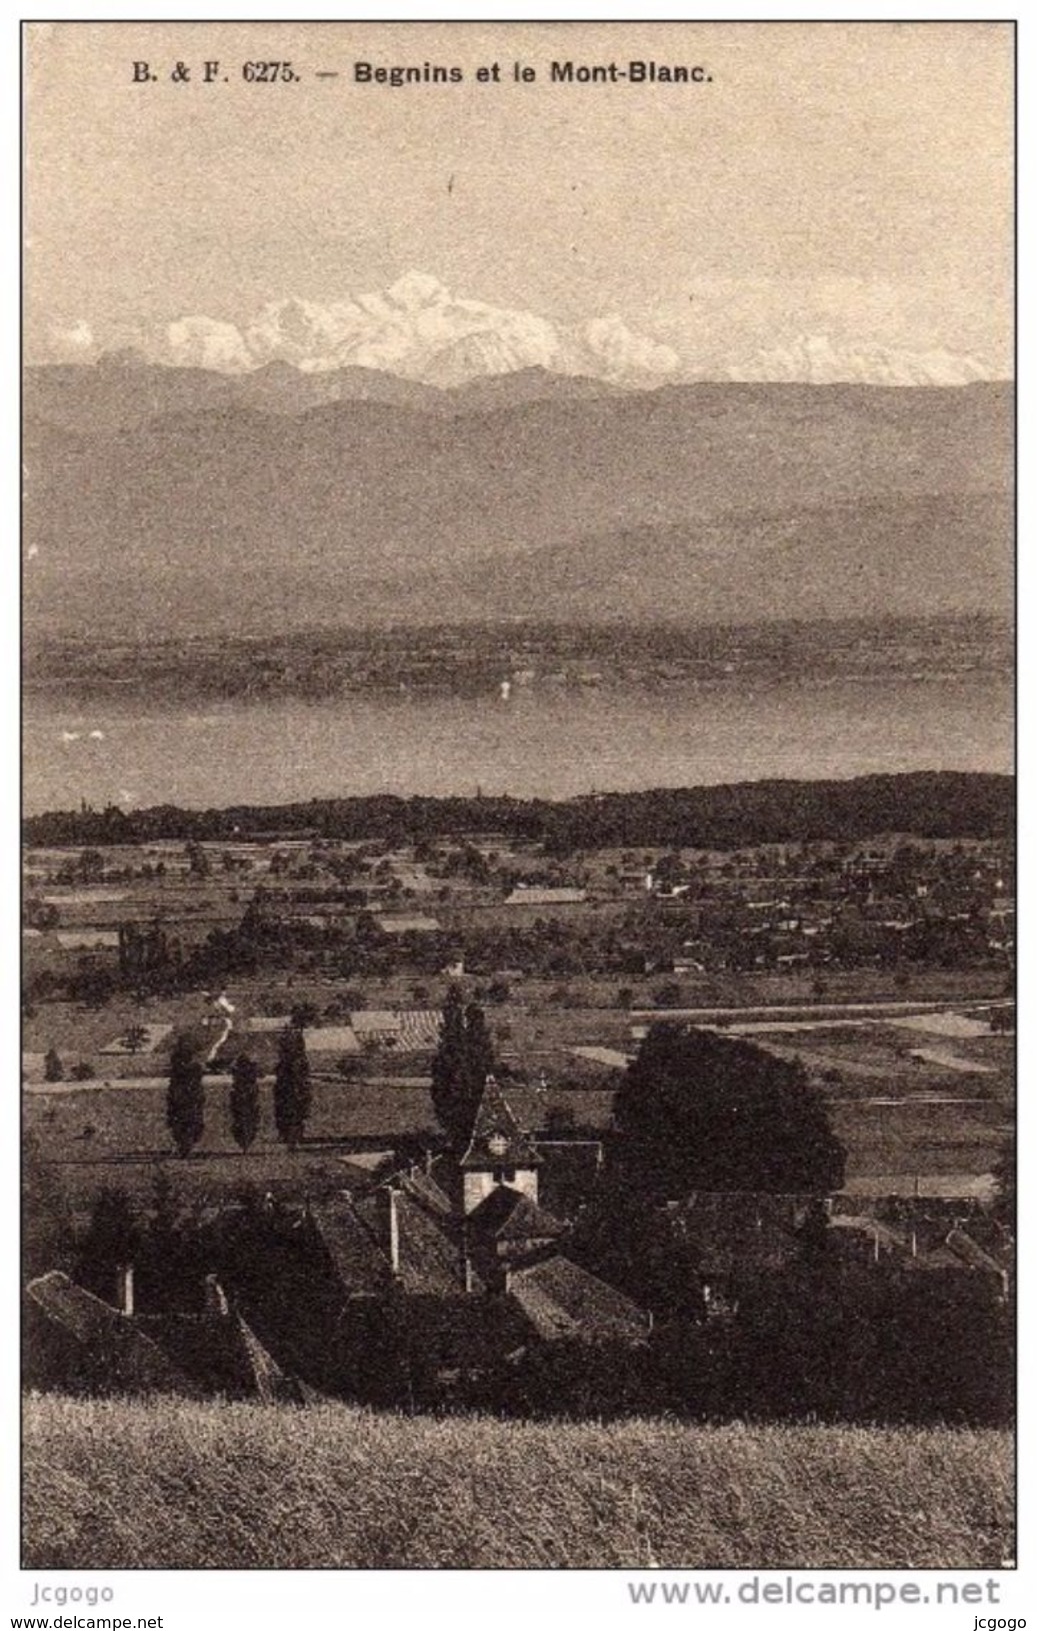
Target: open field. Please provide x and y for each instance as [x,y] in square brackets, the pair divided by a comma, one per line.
[114,1135]
[917,1084]
[125,1485]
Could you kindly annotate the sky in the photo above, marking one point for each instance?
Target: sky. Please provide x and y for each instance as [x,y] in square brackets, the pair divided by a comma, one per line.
[839,179]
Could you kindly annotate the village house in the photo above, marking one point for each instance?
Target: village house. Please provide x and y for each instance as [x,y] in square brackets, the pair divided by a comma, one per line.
[413,1284]
[76,1341]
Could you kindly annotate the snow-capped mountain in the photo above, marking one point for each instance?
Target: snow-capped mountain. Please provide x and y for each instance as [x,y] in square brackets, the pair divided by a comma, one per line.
[418,330]
[813,359]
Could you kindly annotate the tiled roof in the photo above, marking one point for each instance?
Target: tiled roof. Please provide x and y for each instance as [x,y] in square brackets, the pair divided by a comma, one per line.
[560,1299]
[114,1353]
[430,1255]
[367,1161]
[507,1214]
[424,1188]
[222,1354]
[428,1239]
[269,1382]
[356,1257]
[497,1138]
[724,1232]
[968,1251]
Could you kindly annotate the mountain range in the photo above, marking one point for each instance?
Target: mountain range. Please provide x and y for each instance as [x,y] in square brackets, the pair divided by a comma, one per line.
[419,330]
[182,500]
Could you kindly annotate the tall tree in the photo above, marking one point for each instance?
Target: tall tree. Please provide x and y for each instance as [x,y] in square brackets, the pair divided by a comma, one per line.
[185,1098]
[479,1059]
[698,1111]
[244,1101]
[112,1239]
[461,1065]
[448,1064]
[293,1093]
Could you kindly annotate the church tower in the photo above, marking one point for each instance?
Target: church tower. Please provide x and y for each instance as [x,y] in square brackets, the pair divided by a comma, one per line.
[499,1153]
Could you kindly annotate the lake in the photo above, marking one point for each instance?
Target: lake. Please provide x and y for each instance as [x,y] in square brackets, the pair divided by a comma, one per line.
[535,742]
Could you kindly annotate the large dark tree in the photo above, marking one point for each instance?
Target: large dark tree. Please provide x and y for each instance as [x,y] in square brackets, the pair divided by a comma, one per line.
[111,1241]
[461,1065]
[698,1111]
[244,1101]
[293,1093]
[185,1098]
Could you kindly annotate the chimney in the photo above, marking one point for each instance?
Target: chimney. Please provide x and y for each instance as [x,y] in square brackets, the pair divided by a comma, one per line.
[215,1297]
[124,1289]
[394,1231]
[466,1262]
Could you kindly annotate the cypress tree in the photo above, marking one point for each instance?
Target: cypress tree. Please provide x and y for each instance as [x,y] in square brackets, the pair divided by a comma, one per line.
[244,1101]
[185,1098]
[448,1065]
[479,1063]
[461,1065]
[292,1090]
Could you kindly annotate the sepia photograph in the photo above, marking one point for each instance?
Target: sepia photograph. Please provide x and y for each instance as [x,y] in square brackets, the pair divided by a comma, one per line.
[518,980]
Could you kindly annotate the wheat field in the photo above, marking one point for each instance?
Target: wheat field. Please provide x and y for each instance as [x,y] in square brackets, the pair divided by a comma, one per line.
[169,1483]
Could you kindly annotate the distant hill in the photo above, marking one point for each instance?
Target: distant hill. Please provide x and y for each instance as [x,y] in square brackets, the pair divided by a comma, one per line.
[123,391]
[184,500]
[932,555]
[934,804]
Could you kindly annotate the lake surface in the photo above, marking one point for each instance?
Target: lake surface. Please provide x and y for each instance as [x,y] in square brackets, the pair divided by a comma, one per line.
[536,742]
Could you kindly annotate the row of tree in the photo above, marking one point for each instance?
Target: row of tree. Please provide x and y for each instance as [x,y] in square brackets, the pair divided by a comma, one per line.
[292,1095]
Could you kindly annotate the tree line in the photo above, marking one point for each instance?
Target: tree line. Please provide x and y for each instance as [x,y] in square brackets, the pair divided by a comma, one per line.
[936,804]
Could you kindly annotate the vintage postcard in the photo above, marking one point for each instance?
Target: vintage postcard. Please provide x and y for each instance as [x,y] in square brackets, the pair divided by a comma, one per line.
[518,912]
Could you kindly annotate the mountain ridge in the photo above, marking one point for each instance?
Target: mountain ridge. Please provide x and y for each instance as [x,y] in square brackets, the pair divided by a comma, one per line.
[419,330]
[178,505]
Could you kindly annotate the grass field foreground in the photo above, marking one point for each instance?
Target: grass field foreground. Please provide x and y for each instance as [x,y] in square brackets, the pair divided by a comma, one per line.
[173,1484]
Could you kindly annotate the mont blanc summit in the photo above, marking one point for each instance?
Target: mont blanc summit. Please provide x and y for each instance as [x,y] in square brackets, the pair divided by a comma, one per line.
[418,329]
